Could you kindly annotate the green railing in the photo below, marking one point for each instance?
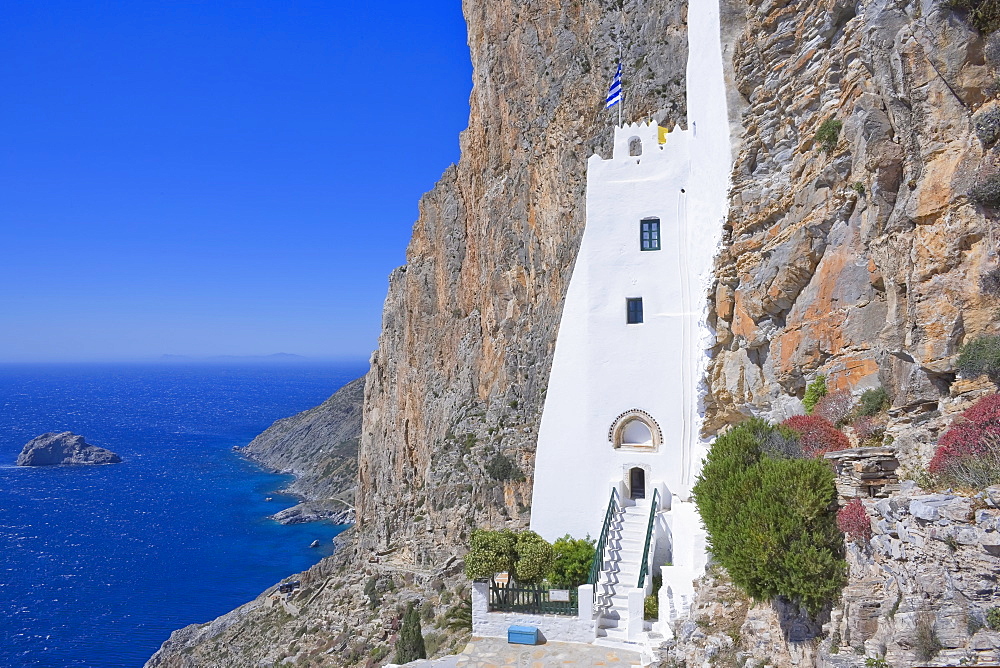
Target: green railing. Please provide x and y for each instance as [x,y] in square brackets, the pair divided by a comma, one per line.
[596,565]
[649,535]
[532,600]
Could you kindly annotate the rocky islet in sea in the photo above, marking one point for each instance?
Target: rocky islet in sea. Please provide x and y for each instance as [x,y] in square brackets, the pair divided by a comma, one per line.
[54,448]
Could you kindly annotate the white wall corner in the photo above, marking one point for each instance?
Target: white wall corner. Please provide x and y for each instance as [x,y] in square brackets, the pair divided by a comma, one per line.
[636,614]
[585,601]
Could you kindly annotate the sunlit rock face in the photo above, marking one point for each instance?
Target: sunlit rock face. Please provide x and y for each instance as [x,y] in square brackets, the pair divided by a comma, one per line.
[861,262]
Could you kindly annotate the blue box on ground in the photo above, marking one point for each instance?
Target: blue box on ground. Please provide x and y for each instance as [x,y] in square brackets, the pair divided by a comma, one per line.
[522,635]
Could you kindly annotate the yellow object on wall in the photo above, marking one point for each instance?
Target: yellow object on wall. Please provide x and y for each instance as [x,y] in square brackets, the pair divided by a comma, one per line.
[663,135]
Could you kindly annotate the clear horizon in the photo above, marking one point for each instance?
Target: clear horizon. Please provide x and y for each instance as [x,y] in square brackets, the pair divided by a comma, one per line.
[216,179]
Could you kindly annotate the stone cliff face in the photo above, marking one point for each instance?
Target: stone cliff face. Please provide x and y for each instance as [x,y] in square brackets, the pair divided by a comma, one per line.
[470,322]
[862,259]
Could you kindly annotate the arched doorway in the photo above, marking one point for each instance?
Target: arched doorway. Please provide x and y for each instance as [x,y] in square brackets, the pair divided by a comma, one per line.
[637,483]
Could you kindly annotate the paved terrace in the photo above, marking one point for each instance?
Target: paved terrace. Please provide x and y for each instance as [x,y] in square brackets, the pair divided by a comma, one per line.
[496,653]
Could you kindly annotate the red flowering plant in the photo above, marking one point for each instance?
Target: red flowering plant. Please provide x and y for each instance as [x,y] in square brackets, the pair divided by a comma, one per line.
[816,435]
[968,453]
[853,520]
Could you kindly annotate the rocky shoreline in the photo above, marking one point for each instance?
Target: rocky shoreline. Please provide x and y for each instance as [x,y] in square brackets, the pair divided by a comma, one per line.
[320,448]
[334,511]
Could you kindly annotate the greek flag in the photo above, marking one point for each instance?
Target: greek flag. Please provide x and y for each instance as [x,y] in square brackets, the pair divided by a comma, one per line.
[615,91]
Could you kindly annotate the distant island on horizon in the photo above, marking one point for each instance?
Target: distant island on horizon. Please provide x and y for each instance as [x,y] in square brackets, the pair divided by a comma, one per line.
[274,357]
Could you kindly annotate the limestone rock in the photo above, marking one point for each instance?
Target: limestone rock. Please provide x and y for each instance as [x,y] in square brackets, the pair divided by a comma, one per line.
[64,448]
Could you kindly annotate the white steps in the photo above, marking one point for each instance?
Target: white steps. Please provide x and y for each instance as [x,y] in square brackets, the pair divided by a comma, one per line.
[626,543]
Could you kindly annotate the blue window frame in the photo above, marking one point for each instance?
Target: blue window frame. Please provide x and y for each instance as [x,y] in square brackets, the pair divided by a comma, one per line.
[649,234]
[633,310]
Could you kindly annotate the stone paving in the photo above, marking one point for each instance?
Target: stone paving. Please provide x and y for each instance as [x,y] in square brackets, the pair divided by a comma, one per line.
[496,653]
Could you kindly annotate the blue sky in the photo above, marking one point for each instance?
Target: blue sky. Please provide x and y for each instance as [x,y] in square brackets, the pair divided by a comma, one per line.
[206,178]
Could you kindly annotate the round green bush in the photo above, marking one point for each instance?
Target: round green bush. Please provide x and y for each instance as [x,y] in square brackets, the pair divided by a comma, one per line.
[993,618]
[771,522]
[534,558]
[490,552]
[572,558]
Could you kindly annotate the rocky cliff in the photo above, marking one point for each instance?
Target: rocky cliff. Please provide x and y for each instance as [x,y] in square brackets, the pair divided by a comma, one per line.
[470,322]
[320,447]
[857,253]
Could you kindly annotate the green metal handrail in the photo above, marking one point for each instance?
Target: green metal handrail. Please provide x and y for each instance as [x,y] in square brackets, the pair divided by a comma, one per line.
[598,562]
[649,535]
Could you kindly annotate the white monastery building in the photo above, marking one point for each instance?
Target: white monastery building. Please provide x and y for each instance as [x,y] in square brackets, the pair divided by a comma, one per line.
[619,445]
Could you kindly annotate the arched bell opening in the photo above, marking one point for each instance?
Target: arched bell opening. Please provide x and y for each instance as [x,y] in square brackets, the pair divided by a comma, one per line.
[635,146]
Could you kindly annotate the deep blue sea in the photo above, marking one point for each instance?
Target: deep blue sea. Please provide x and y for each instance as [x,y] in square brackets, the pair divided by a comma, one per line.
[100,564]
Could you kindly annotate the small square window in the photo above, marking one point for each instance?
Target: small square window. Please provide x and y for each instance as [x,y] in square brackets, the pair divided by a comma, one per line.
[633,311]
[649,234]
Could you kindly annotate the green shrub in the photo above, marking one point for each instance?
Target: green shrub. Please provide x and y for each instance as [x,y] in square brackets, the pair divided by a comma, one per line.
[926,643]
[876,662]
[859,188]
[828,134]
[986,191]
[534,558]
[815,391]
[500,467]
[984,15]
[459,618]
[525,555]
[771,521]
[980,357]
[490,552]
[873,402]
[571,561]
[993,618]
[372,592]
[651,604]
[651,607]
[410,644]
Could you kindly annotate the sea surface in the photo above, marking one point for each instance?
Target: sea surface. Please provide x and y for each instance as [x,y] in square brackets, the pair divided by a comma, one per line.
[99,564]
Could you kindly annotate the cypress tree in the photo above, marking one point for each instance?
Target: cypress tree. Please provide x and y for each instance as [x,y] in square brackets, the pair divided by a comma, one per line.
[410,644]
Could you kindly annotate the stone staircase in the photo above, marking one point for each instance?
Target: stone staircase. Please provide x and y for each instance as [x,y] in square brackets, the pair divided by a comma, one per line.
[620,575]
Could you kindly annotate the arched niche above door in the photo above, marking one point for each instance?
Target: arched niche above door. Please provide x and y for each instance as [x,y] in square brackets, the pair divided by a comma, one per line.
[635,430]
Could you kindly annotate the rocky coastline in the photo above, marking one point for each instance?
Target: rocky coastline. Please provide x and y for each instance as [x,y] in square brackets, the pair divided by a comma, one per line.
[319,447]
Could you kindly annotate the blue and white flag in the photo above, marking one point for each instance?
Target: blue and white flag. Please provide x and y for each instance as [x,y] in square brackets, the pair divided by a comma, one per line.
[615,91]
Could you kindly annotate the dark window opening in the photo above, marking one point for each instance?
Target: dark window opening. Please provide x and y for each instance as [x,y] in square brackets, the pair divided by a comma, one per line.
[649,234]
[635,146]
[633,309]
